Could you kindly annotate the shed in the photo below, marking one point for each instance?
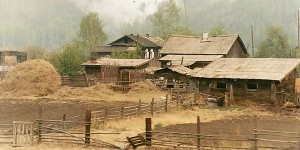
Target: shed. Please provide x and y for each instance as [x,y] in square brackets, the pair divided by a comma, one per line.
[190,61]
[171,73]
[111,70]
[259,79]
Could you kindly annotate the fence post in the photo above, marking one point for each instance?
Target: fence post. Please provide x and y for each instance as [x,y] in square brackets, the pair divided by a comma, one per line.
[148,131]
[139,107]
[64,119]
[166,103]
[122,111]
[105,115]
[39,131]
[88,119]
[152,107]
[198,133]
[255,133]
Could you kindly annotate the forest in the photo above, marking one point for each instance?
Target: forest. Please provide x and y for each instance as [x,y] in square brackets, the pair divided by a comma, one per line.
[52,23]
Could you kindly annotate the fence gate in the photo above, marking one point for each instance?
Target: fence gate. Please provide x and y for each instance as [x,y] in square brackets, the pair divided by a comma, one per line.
[22,133]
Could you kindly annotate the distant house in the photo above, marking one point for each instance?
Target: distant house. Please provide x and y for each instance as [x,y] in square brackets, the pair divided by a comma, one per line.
[270,80]
[198,51]
[149,46]
[10,57]
[108,70]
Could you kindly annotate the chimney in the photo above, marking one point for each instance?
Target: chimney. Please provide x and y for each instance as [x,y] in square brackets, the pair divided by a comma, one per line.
[205,37]
[147,35]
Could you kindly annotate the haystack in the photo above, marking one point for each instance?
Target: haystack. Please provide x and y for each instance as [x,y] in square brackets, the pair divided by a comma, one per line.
[31,78]
[142,87]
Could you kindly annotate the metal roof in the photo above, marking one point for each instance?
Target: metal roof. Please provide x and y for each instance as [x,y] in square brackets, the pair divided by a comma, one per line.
[179,69]
[189,59]
[118,62]
[217,45]
[249,68]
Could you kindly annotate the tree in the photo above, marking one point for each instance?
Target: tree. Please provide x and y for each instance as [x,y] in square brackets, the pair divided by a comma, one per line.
[36,52]
[91,31]
[219,30]
[165,19]
[275,45]
[69,60]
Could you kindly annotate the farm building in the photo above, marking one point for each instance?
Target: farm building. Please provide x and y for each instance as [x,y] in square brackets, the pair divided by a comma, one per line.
[170,76]
[196,51]
[270,80]
[10,58]
[149,46]
[108,70]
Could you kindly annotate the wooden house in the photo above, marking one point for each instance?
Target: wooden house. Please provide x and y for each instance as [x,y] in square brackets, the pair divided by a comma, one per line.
[199,51]
[148,45]
[108,70]
[10,57]
[270,80]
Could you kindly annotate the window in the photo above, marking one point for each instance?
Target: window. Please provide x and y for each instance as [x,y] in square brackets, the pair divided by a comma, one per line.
[252,86]
[220,85]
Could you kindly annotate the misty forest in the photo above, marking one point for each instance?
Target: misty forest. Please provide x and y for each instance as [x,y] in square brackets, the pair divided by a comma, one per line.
[50,24]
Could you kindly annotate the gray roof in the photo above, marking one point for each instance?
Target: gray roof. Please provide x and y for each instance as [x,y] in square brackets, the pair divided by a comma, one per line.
[179,69]
[249,68]
[217,45]
[118,62]
[114,48]
[145,41]
[189,59]
[194,71]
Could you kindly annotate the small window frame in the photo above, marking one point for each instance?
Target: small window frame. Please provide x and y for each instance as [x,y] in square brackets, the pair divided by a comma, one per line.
[221,87]
[253,84]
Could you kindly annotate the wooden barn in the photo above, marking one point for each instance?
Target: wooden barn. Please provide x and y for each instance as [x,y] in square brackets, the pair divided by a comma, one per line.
[270,80]
[177,73]
[199,51]
[149,46]
[106,70]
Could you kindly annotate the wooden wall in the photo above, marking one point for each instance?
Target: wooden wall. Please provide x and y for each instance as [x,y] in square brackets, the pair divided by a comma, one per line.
[236,51]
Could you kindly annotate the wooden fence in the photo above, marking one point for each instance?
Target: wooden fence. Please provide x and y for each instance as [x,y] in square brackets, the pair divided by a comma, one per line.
[156,106]
[6,136]
[197,140]
[74,81]
[260,139]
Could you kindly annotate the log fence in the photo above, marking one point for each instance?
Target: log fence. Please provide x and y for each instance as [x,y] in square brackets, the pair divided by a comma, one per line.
[6,136]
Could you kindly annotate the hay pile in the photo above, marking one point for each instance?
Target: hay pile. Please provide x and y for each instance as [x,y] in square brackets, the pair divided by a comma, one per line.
[143,87]
[99,91]
[31,78]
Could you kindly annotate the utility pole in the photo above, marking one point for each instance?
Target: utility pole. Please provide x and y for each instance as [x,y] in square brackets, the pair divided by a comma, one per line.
[298,30]
[252,41]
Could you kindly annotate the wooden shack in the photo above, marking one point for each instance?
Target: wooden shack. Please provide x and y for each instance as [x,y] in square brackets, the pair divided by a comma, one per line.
[270,80]
[106,70]
[199,51]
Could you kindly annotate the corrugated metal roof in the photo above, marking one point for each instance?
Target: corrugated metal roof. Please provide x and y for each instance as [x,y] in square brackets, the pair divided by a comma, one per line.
[189,59]
[218,45]
[249,68]
[114,48]
[118,62]
[179,69]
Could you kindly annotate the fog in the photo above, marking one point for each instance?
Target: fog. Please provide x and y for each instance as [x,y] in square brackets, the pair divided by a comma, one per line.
[52,23]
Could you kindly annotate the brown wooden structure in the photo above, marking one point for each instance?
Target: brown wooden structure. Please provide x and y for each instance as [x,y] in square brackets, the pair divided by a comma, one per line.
[199,51]
[12,57]
[145,43]
[107,70]
[270,80]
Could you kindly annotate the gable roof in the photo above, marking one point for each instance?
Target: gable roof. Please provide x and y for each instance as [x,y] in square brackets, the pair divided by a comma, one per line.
[118,62]
[189,59]
[179,69]
[216,45]
[142,40]
[249,68]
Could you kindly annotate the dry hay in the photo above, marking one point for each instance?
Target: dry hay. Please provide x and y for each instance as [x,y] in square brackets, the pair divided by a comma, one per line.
[298,85]
[98,91]
[248,103]
[31,78]
[143,87]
